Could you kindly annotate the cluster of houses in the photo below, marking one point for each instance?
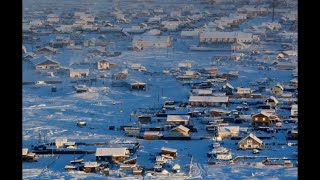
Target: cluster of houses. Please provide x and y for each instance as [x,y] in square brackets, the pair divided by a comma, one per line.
[216,107]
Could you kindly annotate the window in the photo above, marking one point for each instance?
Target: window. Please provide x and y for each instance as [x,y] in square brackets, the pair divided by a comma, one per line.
[256,119]
[263,119]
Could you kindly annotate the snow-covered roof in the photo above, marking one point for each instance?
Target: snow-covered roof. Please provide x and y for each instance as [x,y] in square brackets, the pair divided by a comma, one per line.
[219,110]
[111,151]
[171,118]
[263,113]
[218,34]
[274,99]
[294,107]
[91,164]
[183,128]
[231,129]
[202,91]
[150,38]
[280,86]
[213,99]
[48,48]
[253,137]
[168,149]
[228,85]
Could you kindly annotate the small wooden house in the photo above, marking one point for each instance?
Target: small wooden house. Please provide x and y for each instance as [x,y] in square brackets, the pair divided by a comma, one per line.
[228,131]
[77,73]
[215,112]
[244,91]
[103,64]
[211,70]
[294,110]
[169,152]
[91,167]
[119,75]
[60,142]
[152,135]
[46,51]
[178,119]
[264,119]
[45,63]
[271,101]
[114,155]
[27,156]
[137,86]
[228,89]
[144,119]
[250,142]
[184,66]
[179,131]
[137,172]
[277,89]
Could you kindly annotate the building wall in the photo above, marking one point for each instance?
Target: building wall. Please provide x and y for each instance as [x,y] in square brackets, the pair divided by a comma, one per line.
[178,133]
[101,65]
[258,120]
[227,134]
[39,67]
[78,74]
[244,144]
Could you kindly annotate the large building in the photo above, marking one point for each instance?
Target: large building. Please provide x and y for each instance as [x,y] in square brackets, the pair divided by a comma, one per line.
[147,41]
[225,37]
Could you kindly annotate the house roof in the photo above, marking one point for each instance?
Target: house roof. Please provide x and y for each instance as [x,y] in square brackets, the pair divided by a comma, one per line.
[294,107]
[183,128]
[213,99]
[253,137]
[48,48]
[231,129]
[273,98]
[79,70]
[168,149]
[103,61]
[219,110]
[171,118]
[202,91]
[24,151]
[228,85]
[150,38]
[111,151]
[279,85]
[48,62]
[263,113]
[43,60]
[91,164]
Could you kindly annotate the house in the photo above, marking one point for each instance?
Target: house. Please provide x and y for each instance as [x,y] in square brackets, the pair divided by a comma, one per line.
[228,89]
[77,73]
[27,156]
[103,64]
[46,51]
[136,85]
[271,101]
[45,63]
[144,119]
[264,119]
[24,49]
[228,131]
[250,142]
[294,82]
[99,51]
[169,152]
[114,155]
[184,66]
[208,100]
[91,167]
[29,55]
[294,110]
[178,119]
[244,91]
[202,92]
[152,135]
[148,41]
[277,89]
[119,75]
[225,37]
[179,131]
[60,142]
[215,112]
[211,70]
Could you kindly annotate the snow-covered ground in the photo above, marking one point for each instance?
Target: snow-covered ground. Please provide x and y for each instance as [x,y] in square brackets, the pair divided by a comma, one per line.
[55,114]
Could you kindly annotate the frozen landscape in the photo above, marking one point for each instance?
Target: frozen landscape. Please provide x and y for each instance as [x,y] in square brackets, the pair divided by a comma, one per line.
[168,89]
